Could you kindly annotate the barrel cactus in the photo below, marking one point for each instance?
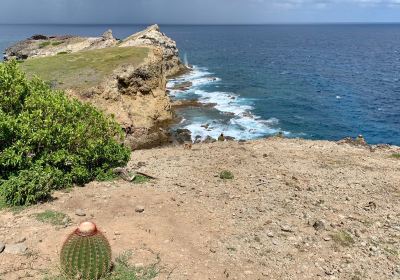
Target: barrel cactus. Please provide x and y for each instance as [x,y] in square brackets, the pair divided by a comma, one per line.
[86,254]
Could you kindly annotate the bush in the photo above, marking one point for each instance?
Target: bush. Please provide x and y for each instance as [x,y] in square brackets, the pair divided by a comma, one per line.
[226,175]
[48,141]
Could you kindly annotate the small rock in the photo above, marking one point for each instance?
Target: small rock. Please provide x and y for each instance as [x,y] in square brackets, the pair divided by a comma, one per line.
[286,228]
[65,221]
[327,238]
[270,234]
[16,249]
[21,240]
[2,246]
[80,213]
[139,209]
[319,225]
[248,272]
[139,265]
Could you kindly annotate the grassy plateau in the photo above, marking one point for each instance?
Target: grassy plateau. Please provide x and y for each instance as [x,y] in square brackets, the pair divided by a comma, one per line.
[83,69]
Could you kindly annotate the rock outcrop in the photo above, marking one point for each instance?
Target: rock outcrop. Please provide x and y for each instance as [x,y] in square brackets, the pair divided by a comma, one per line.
[153,37]
[135,95]
[137,98]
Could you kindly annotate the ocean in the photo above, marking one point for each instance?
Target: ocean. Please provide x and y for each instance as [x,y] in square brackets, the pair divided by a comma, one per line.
[310,81]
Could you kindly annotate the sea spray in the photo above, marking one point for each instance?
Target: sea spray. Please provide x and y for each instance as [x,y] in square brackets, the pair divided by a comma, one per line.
[224,112]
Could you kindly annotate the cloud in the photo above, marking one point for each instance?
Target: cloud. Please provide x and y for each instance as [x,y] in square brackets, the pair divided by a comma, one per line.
[196,11]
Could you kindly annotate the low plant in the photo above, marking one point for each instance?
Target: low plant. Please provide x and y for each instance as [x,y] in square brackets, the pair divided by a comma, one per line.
[44,44]
[86,254]
[226,175]
[343,238]
[140,179]
[56,43]
[53,217]
[396,155]
[48,141]
[122,270]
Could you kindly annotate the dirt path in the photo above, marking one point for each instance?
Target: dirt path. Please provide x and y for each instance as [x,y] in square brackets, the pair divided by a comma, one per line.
[296,209]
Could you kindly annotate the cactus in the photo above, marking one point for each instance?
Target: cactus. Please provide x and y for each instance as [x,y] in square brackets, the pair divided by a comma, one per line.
[86,254]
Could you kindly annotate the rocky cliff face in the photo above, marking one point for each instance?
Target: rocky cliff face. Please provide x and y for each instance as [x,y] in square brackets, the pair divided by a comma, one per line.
[153,37]
[135,95]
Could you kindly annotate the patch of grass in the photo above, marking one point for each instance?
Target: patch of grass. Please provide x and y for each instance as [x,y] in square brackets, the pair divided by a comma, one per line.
[44,44]
[52,217]
[392,252]
[123,270]
[343,238]
[396,156]
[56,43]
[83,69]
[140,179]
[226,175]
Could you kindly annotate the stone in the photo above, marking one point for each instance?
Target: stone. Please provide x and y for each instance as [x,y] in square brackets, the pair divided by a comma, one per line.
[16,249]
[108,35]
[2,246]
[139,209]
[270,234]
[209,139]
[183,135]
[319,225]
[80,213]
[286,228]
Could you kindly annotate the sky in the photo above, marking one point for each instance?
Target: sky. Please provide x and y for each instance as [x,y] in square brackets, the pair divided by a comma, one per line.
[198,11]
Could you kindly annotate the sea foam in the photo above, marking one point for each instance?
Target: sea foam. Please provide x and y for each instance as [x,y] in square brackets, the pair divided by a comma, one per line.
[236,117]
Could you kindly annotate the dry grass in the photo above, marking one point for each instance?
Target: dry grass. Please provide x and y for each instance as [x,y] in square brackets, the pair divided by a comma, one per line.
[83,69]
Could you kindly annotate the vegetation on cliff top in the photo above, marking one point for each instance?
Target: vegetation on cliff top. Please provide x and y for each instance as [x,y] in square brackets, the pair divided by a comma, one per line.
[48,141]
[83,69]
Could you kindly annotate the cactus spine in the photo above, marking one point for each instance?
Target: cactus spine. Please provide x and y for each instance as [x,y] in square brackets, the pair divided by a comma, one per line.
[86,253]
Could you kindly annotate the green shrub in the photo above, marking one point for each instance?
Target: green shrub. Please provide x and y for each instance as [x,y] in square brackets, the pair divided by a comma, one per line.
[56,43]
[44,44]
[396,156]
[226,175]
[48,141]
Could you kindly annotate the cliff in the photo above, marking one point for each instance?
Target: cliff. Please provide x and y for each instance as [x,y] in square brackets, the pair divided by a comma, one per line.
[125,78]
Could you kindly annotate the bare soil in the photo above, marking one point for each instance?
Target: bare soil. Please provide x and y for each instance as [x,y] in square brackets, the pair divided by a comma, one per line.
[296,209]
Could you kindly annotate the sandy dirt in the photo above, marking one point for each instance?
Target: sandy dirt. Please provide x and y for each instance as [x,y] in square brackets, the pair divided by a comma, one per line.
[296,209]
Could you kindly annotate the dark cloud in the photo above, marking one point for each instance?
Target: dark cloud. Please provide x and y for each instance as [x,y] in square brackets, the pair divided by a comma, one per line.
[196,11]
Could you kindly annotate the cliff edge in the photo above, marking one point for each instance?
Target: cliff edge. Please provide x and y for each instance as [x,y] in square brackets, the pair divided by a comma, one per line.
[125,78]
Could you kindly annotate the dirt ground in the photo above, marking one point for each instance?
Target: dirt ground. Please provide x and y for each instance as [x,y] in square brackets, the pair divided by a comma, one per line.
[296,209]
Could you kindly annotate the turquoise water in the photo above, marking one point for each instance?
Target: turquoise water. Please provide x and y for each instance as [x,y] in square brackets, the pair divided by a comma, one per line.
[311,81]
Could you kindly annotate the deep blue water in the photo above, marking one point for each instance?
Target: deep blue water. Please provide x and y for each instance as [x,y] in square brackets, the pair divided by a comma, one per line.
[311,81]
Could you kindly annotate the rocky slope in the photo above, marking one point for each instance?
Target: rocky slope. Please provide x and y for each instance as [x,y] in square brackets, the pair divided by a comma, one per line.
[295,209]
[134,94]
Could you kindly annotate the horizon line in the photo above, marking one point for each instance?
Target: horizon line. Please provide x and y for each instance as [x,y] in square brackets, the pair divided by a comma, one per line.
[218,24]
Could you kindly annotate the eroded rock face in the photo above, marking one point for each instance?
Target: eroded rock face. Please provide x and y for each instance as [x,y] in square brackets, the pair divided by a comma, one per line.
[152,36]
[137,98]
[135,95]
